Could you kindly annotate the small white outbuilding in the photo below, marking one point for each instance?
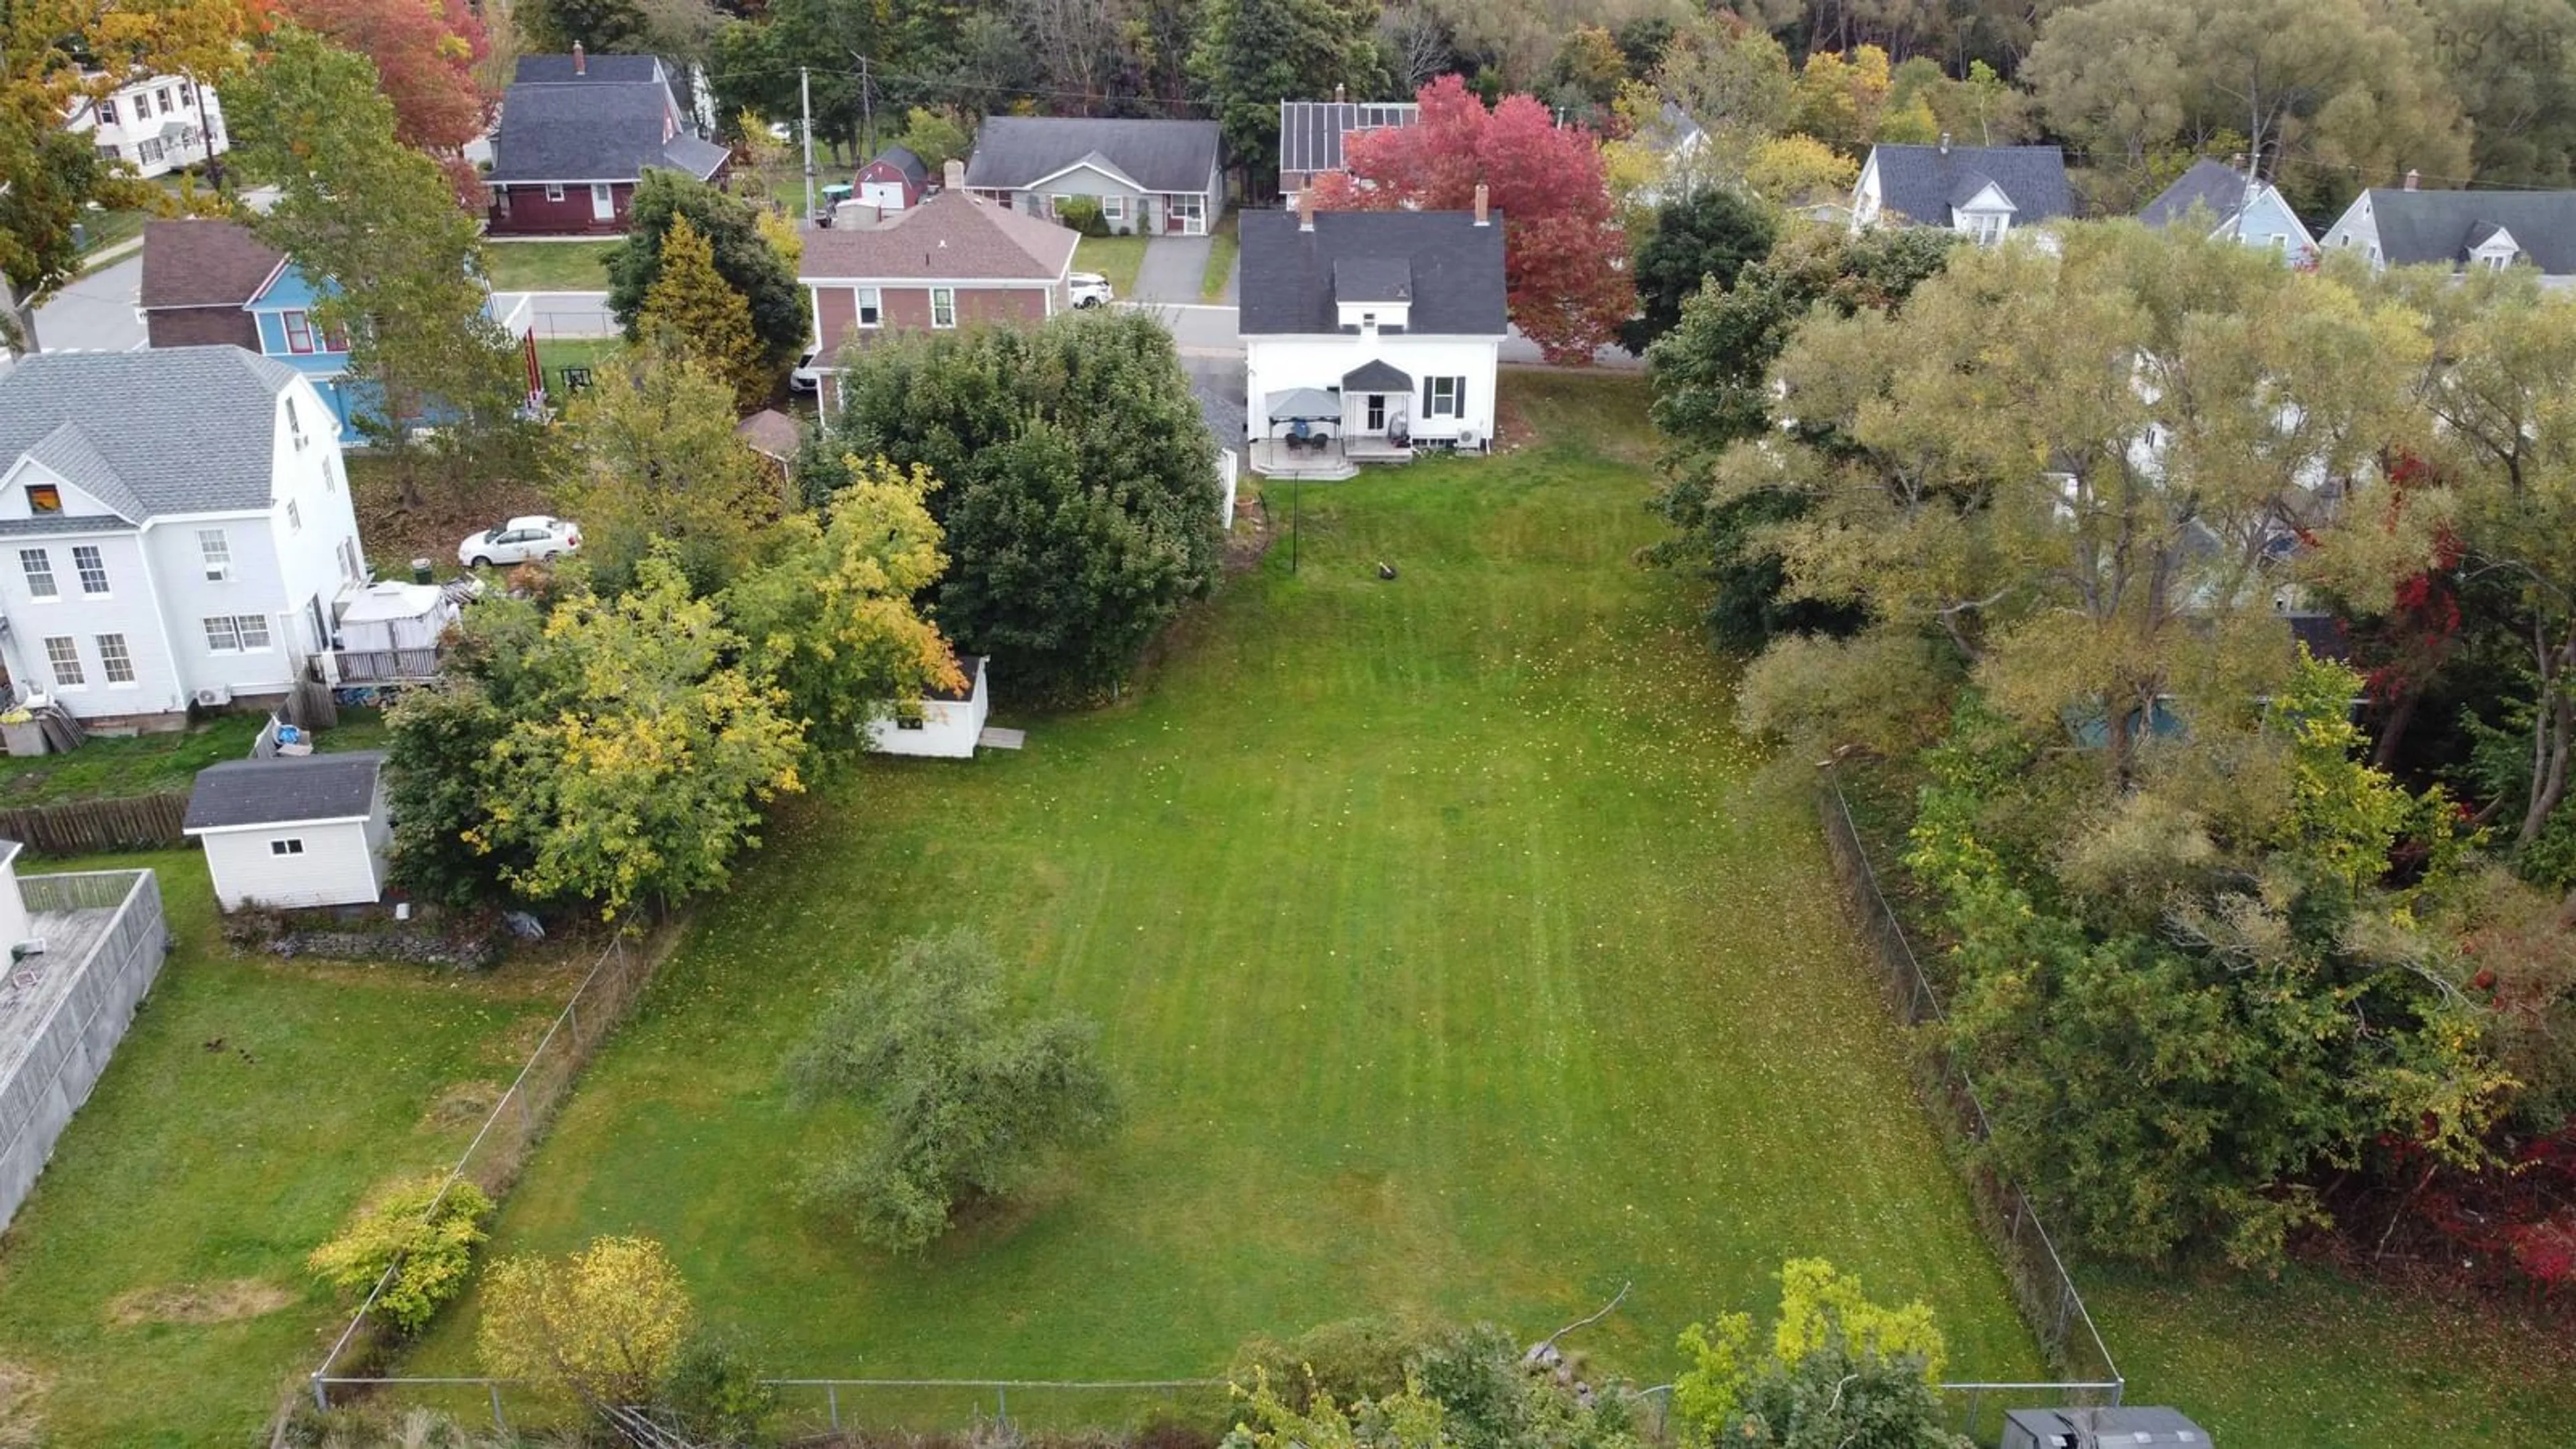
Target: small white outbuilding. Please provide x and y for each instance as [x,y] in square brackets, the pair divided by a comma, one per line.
[944,724]
[294,831]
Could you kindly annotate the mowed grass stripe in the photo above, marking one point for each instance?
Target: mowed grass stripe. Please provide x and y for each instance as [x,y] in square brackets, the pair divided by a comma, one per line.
[1453,959]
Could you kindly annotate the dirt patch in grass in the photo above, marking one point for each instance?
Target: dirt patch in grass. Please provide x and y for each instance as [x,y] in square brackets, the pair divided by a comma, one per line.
[397,533]
[22,1397]
[198,1303]
[460,1105]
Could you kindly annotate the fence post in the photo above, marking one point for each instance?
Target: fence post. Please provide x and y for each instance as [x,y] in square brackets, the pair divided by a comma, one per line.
[321,1393]
[499,1424]
[832,1397]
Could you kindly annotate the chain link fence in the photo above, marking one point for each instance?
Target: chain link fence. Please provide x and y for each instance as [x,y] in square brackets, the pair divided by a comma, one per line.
[2043,1289]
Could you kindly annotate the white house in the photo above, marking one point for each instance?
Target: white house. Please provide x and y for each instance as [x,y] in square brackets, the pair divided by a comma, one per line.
[2407,227]
[157,124]
[175,529]
[307,830]
[1369,334]
[1981,192]
[945,724]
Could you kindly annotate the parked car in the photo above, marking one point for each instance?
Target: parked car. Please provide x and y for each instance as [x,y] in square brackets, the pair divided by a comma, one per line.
[519,540]
[1090,289]
[806,377]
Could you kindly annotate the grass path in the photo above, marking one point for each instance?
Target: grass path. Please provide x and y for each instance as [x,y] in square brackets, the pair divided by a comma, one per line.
[1454,964]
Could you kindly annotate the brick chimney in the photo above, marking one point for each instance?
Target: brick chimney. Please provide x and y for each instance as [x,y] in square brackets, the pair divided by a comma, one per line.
[2412,178]
[1304,202]
[953,175]
[580,62]
[1337,93]
[1484,200]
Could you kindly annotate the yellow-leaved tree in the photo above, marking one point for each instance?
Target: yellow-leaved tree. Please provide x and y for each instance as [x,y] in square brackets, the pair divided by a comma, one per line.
[1881,1363]
[691,312]
[605,1324]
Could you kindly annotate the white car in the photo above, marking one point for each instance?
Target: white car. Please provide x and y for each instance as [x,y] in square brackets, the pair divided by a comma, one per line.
[519,540]
[1090,289]
[807,377]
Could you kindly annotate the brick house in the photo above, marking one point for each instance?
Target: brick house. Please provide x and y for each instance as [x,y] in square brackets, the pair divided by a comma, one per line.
[955,260]
[198,278]
[577,132]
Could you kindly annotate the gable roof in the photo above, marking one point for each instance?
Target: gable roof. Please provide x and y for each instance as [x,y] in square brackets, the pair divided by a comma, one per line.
[283,791]
[2437,226]
[771,434]
[902,159]
[166,430]
[599,127]
[2220,188]
[596,70]
[953,236]
[1013,151]
[203,262]
[1921,182]
[1456,269]
[1311,133]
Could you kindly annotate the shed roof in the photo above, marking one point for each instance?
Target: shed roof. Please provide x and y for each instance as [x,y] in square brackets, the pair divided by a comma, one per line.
[772,434]
[1922,183]
[1455,266]
[953,236]
[2144,1425]
[163,430]
[2437,226]
[1014,151]
[284,791]
[972,667]
[203,262]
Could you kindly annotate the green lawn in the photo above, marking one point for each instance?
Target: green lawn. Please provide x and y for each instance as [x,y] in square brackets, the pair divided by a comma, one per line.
[108,768]
[1220,263]
[549,266]
[250,1106]
[554,354]
[1453,960]
[1114,257]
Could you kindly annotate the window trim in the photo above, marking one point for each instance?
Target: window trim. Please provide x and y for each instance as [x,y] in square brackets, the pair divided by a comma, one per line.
[867,304]
[68,659]
[34,561]
[96,563]
[237,628]
[287,845]
[297,325]
[949,294]
[554,191]
[1444,397]
[109,660]
[215,550]
[107,112]
[44,499]
[294,517]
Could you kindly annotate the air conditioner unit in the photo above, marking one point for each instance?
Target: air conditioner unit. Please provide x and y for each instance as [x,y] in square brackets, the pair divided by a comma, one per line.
[215,698]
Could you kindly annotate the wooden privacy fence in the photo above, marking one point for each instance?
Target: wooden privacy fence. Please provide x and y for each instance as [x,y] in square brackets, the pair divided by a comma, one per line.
[87,827]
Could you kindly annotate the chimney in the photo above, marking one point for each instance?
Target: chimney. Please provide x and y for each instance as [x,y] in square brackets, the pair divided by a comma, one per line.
[1945,143]
[1483,200]
[2412,177]
[2236,162]
[953,175]
[1337,93]
[580,63]
[1304,201]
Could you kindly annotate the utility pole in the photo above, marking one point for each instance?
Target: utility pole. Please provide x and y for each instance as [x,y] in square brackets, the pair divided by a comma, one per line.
[867,109]
[805,103]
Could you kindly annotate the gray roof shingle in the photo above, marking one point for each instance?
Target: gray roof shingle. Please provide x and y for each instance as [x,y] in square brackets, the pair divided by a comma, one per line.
[1013,151]
[2219,188]
[1921,183]
[596,128]
[2437,226]
[596,69]
[284,790]
[168,430]
[1456,269]
[952,235]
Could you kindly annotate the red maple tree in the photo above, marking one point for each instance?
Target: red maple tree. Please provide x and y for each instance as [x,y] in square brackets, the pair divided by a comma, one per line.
[425,52]
[1562,246]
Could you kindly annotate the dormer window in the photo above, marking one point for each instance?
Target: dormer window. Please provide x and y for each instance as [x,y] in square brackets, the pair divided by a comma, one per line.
[1986,228]
[2498,261]
[44,498]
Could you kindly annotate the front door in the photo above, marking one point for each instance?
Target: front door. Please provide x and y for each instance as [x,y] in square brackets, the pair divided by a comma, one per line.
[1376,413]
[603,201]
[1188,215]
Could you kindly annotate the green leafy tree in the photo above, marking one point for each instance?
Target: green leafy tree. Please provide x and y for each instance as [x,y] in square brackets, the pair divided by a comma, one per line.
[834,617]
[1080,504]
[690,313]
[376,224]
[1252,52]
[715,1388]
[1704,237]
[424,1230]
[966,1099]
[1829,1336]
[653,465]
[605,1325]
[2510,66]
[744,259]
[937,137]
[553,27]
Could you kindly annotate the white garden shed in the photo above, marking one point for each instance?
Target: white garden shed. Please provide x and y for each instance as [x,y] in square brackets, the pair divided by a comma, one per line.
[943,724]
[294,831]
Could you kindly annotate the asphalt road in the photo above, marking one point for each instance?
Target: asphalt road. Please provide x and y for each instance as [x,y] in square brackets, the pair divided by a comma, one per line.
[96,313]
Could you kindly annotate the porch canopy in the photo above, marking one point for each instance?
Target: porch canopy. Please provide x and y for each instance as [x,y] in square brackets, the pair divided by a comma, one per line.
[1303,404]
[1376,376]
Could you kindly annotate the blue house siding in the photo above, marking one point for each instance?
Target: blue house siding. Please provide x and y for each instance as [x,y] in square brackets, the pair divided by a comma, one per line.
[283,311]
[2268,217]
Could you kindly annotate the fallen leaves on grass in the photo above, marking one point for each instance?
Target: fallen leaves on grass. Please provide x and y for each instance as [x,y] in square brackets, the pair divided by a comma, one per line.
[195,1303]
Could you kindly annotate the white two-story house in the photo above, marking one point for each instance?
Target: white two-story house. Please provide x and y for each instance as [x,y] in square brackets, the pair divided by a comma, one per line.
[156,124]
[175,530]
[1368,335]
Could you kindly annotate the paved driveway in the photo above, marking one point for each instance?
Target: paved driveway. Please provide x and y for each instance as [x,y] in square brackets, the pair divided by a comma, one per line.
[1172,269]
[563,314]
[96,313]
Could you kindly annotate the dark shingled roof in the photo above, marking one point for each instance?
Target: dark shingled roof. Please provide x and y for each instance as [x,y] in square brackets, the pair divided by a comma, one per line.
[1921,182]
[593,129]
[2219,188]
[163,430]
[284,790]
[1013,151]
[1288,274]
[1372,279]
[2437,226]
[953,236]
[970,665]
[597,70]
[901,159]
[1377,375]
[202,263]
[1311,132]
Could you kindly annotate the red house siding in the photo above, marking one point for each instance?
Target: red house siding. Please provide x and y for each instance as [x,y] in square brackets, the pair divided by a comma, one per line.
[520,208]
[836,309]
[885,175]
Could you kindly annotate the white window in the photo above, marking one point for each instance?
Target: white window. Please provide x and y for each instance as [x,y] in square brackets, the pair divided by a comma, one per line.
[352,566]
[1113,209]
[294,419]
[1444,397]
[294,517]
[286,847]
[236,633]
[554,191]
[63,654]
[943,306]
[331,468]
[2499,261]
[218,553]
[163,96]
[1986,228]
[113,658]
[40,573]
[2281,242]
[148,150]
[92,568]
[107,112]
[142,106]
[871,307]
